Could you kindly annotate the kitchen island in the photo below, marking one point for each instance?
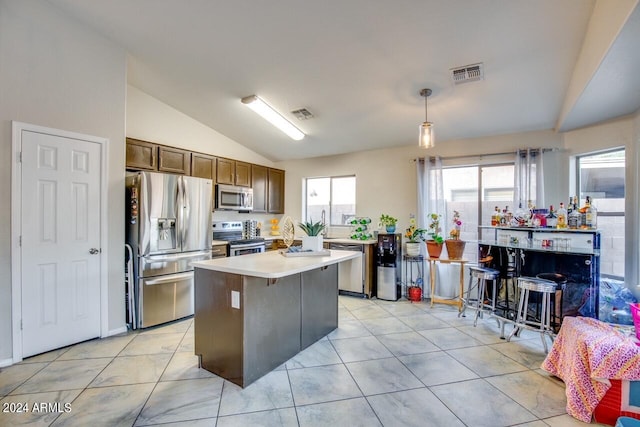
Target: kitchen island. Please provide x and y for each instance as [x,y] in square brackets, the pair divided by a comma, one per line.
[254,312]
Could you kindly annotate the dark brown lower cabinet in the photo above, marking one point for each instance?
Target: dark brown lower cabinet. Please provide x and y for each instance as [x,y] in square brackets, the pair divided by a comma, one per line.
[273,320]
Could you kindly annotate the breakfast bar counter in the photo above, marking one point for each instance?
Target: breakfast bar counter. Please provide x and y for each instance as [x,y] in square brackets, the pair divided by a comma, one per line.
[254,312]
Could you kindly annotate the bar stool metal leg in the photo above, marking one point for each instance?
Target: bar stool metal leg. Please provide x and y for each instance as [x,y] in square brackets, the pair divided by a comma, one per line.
[482,276]
[465,301]
[542,324]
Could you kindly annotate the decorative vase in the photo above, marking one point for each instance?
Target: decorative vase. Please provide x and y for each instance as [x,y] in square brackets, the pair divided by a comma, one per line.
[434,249]
[312,243]
[390,228]
[415,293]
[413,248]
[455,248]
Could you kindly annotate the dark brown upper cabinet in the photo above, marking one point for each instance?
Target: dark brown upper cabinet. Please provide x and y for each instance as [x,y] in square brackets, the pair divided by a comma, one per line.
[174,160]
[226,171]
[275,191]
[243,174]
[203,166]
[267,183]
[141,155]
[259,185]
[233,172]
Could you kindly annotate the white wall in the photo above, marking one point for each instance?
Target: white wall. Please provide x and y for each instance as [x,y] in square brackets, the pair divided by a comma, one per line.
[386,179]
[56,73]
[152,120]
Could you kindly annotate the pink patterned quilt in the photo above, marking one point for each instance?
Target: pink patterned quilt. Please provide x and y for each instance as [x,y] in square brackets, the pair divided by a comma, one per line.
[585,355]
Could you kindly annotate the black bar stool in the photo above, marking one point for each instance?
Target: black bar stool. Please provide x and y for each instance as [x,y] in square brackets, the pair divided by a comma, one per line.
[508,281]
[556,302]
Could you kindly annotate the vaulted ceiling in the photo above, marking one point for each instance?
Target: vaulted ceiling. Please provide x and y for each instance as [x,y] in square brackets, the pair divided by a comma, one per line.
[358,65]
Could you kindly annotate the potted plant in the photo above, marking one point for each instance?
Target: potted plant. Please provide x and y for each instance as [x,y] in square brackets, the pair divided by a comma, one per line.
[414,236]
[434,245]
[313,240]
[455,246]
[389,223]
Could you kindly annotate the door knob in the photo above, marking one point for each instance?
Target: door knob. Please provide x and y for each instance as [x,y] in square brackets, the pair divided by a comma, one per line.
[94,251]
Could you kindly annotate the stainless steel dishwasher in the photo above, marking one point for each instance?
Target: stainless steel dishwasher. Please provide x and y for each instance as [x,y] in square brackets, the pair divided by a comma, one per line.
[351,272]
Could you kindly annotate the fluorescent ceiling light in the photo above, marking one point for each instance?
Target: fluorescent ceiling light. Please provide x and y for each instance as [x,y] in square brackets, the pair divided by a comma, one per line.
[272,116]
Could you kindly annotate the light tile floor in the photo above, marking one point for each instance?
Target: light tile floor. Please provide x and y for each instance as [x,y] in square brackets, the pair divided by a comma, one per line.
[388,363]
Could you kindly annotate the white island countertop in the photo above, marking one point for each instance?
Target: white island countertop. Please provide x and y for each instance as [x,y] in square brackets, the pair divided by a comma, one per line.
[272,264]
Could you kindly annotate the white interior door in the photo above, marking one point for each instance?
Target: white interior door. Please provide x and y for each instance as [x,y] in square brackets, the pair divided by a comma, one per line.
[60,231]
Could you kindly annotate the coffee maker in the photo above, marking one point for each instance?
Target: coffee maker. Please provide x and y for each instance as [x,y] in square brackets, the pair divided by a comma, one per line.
[388,266]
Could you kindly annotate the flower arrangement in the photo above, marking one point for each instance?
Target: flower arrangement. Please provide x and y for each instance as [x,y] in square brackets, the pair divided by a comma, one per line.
[434,227]
[457,223]
[413,233]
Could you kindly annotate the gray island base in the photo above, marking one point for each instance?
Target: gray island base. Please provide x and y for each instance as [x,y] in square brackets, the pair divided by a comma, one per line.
[254,312]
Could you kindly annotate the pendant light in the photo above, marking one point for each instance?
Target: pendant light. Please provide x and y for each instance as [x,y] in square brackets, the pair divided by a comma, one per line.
[426,128]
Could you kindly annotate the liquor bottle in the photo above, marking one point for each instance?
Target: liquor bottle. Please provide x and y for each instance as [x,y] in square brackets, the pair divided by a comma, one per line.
[562,217]
[508,216]
[495,217]
[573,218]
[552,218]
[576,207]
[503,218]
[590,215]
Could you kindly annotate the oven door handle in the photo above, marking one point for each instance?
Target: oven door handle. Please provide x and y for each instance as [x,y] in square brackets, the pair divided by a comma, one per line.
[246,245]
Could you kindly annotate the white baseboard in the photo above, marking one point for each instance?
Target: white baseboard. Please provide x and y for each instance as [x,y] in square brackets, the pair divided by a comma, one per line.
[121,330]
[6,362]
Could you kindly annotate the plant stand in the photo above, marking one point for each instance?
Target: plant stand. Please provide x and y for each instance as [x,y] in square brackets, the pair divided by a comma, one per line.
[411,282]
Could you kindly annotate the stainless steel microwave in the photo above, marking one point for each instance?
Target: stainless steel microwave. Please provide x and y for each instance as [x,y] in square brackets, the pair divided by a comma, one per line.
[233,198]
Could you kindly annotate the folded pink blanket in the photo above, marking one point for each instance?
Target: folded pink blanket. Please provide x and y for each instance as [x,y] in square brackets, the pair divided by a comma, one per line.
[585,355]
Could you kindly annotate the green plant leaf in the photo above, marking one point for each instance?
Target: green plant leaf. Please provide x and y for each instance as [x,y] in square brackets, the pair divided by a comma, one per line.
[312,228]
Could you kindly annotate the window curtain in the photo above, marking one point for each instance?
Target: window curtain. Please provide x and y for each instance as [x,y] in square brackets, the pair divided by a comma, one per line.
[431,200]
[529,176]
[430,189]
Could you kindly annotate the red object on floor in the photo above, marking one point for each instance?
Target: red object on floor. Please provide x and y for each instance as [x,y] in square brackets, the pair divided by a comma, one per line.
[612,405]
[415,293]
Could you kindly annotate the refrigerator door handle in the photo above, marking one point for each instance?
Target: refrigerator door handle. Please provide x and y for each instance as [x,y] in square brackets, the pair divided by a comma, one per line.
[174,257]
[186,210]
[143,215]
[179,216]
[169,279]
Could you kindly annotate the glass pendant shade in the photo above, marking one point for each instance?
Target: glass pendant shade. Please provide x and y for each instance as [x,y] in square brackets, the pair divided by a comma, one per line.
[425,139]
[426,135]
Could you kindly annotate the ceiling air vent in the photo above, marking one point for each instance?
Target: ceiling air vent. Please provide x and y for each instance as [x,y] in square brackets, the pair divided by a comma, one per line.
[302,114]
[468,73]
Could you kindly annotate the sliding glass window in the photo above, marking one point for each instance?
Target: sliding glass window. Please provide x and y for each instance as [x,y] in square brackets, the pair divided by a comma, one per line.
[601,176]
[333,197]
[475,191]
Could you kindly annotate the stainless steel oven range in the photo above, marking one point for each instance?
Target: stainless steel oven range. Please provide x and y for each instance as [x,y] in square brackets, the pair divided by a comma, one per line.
[241,241]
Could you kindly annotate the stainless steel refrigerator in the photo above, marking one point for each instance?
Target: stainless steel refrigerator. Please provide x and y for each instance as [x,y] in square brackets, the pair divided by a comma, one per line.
[168,227]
